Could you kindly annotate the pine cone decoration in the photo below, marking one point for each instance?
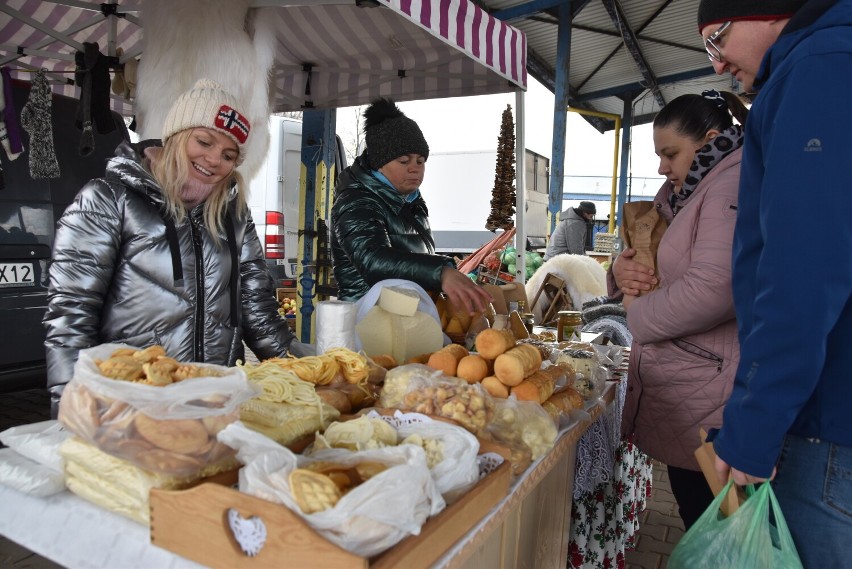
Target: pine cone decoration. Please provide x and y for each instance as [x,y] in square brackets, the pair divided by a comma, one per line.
[503,194]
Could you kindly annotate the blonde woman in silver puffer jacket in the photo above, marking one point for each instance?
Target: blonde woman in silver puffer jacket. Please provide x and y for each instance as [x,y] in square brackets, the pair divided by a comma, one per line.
[163,250]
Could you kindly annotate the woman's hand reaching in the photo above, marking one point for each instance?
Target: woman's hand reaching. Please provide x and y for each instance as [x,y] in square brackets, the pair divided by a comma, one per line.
[631,276]
[463,292]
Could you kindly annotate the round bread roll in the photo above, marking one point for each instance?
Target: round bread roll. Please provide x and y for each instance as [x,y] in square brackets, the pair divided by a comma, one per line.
[472,368]
[336,398]
[495,387]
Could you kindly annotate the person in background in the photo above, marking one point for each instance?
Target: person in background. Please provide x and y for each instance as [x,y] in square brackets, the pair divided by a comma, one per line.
[789,414]
[379,221]
[163,250]
[685,347]
[574,233]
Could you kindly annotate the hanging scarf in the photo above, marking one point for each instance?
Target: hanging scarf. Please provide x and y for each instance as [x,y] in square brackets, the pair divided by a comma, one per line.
[705,159]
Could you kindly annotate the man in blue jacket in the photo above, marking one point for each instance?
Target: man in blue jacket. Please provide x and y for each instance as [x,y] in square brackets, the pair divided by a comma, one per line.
[791,405]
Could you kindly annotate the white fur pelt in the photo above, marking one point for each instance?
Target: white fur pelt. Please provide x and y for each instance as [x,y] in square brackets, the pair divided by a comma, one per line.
[584,279]
[222,40]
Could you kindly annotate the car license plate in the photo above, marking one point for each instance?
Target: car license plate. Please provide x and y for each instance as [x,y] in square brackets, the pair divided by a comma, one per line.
[16,274]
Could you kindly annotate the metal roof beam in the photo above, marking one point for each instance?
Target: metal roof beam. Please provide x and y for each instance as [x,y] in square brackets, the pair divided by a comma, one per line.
[631,42]
[619,90]
[541,72]
[533,7]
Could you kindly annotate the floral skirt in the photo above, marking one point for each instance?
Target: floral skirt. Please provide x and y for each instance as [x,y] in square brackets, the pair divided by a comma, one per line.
[605,520]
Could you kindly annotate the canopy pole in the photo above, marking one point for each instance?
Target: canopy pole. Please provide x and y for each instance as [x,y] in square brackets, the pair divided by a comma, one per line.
[612,199]
[520,189]
[560,119]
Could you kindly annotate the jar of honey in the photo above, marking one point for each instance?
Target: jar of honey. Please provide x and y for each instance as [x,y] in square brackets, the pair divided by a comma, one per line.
[568,322]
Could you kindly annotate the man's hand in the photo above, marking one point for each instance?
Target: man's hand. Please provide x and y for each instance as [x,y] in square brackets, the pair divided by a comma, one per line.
[631,276]
[463,292]
[723,471]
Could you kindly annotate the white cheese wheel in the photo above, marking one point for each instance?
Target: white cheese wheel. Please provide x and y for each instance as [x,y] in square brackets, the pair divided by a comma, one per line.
[415,335]
[375,332]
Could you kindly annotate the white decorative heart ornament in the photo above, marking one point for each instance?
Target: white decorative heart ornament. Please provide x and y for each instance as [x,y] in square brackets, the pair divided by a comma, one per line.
[250,533]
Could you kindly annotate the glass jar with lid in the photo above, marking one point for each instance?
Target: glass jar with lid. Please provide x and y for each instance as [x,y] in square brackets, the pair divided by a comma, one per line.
[569,321]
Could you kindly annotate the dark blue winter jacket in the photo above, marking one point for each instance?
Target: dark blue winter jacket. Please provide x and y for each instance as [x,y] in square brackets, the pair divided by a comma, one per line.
[792,254]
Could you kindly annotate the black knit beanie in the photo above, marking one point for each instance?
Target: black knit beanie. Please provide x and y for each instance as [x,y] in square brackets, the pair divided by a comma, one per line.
[718,11]
[390,134]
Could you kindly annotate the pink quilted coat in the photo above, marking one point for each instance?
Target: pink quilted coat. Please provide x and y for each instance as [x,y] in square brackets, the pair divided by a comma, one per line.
[685,349]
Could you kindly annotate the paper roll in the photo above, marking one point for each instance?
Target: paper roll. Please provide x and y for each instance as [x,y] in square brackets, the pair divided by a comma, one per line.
[335,325]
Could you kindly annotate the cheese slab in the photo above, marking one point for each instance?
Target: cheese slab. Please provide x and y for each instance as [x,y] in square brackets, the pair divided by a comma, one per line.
[398,300]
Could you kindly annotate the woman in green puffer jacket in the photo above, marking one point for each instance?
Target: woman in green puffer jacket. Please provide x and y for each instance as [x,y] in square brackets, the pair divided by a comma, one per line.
[379,221]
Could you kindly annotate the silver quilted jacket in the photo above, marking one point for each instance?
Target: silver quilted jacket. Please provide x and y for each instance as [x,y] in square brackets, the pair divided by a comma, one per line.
[120,273]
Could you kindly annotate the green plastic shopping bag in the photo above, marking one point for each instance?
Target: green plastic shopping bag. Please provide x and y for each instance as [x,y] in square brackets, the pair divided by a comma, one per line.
[754,537]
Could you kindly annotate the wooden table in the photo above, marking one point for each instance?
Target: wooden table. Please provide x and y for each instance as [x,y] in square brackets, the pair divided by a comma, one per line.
[528,528]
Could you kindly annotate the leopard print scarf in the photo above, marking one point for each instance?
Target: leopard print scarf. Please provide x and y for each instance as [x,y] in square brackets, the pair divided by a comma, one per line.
[705,159]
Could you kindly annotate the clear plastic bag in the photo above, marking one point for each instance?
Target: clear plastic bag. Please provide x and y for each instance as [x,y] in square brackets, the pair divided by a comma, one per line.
[457,469]
[756,535]
[523,424]
[28,476]
[419,388]
[167,429]
[38,442]
[369,300]
[367,520]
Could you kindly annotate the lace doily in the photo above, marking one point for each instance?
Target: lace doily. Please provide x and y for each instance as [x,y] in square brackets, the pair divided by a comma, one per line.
[597,447]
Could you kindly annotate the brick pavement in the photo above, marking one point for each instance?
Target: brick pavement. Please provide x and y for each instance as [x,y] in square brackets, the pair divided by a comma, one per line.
[660,526]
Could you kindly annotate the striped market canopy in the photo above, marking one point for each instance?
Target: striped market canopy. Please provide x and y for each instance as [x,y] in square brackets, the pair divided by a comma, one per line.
[329,53]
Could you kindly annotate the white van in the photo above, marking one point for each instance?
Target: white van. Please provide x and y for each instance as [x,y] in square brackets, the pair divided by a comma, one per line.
[274,198]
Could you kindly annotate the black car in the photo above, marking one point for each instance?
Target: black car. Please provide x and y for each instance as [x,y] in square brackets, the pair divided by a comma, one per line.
[29,209]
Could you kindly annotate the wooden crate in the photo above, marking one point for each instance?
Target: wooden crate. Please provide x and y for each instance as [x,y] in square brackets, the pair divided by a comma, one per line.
[282,292]
[193,523]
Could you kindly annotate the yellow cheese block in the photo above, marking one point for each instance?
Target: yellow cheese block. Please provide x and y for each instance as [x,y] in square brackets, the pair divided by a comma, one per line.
[375,332]
[415,335]
[398,300]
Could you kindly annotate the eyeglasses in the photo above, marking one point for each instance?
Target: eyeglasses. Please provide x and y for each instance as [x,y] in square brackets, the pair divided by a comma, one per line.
[714,52]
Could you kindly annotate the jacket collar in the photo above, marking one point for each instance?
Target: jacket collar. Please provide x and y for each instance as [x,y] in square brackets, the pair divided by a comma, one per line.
[813,16]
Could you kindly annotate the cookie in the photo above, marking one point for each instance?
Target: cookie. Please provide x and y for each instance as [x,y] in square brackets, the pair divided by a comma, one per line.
[78,411]
[159,460]
[313,492]
[184,436]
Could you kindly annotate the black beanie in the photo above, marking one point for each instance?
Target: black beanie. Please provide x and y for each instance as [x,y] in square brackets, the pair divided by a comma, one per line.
[719,11]
[390,134]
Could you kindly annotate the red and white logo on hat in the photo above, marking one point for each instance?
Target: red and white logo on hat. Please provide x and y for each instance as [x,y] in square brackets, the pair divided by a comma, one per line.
[229,120]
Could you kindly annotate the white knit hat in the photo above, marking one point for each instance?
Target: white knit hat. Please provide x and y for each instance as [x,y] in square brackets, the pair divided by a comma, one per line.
[208,105]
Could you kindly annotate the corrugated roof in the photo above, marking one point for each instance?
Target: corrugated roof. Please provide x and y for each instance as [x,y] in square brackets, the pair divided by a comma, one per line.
[602,68]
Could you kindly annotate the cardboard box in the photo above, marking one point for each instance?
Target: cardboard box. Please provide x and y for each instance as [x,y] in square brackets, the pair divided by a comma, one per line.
[194,523]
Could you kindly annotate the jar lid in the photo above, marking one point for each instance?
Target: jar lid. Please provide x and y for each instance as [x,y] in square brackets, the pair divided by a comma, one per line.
[568,312]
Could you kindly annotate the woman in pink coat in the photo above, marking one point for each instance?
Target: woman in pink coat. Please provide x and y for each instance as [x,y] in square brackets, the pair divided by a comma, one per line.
[685,348]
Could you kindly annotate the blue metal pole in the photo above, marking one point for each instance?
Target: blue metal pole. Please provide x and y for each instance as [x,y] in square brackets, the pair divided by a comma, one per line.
[560,113]
[315,187]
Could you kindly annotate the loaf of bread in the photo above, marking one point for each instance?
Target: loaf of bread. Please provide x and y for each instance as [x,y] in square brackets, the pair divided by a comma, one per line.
[539,385]
[563,402]
[514,365]
[490,343]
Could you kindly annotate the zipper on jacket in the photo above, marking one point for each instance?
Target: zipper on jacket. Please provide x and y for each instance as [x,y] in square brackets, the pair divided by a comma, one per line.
[198,341]
[698,351]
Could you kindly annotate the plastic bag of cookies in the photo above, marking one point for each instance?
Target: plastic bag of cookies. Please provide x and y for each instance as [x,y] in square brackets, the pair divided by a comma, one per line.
[161,415]
[344,496]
